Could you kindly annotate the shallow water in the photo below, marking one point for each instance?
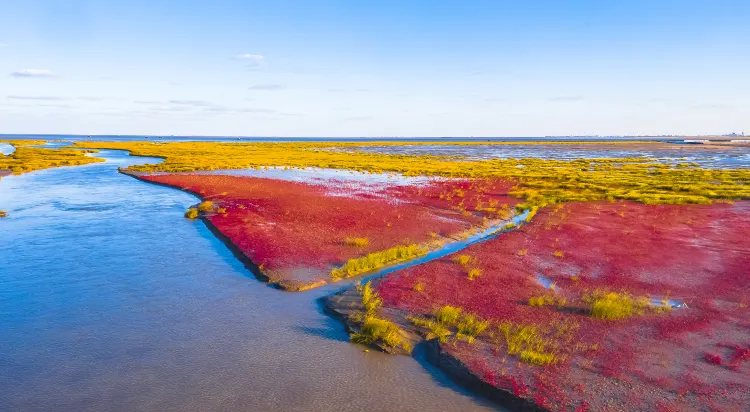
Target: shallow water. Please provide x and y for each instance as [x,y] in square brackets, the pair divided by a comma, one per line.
[111,300]
[722,157]
[6,148]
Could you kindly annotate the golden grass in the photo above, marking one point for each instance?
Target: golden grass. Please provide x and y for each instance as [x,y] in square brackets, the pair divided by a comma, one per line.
[471,326]
[545,300]
[534,345]
[370,299]
[540,181]
[27,159]
[206,206]
[374,329]
[615,306]
[448,315]
[357,241]
[436,329]
[191,213]
[474,273]
[377,260]
[462,260]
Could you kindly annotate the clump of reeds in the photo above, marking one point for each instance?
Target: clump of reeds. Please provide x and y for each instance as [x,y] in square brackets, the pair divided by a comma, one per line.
[377,260]
[374,329]
[615,306]
[448,315]
[463,260]
[357,241]
[474,273]
[206,206]
[545,300]
[192,213]
[370,299]
[470,326]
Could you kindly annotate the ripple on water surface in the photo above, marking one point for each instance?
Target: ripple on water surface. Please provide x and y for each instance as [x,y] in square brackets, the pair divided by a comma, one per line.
[111,300]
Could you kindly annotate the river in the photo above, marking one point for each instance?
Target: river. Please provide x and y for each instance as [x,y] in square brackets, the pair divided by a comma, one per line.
[111,300]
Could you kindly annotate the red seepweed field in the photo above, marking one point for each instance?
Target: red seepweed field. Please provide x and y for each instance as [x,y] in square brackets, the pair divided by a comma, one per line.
[600,306]
[297,232]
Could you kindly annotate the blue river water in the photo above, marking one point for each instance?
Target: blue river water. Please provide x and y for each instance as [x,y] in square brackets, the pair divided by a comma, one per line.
[111,300]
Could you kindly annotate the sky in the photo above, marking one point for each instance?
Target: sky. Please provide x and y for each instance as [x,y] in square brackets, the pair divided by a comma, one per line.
[355,68]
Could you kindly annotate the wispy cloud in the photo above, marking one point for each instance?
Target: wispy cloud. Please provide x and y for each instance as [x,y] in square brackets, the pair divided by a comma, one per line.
[45,98]
[266,87]
[223,109]
[562,99]
[3,45]
[33,73]
[97,98]
[196,103]
[251,59]
[709,106]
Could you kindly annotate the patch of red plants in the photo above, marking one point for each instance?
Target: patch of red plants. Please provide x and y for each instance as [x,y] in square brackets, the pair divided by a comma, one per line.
[695,257]
[296,231]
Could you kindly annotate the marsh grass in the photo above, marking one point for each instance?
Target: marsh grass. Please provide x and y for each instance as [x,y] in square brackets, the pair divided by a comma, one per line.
[357,241]
[471,326]
[541,182]
[206,206]
[474,273]
[374,330]
[614,305]
[377,260]
[546,300]
[370,299]
[192,213]
[462,260]
[448,315]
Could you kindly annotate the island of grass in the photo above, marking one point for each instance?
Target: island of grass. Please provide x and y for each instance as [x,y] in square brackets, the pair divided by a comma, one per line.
[591,306]
[26,158]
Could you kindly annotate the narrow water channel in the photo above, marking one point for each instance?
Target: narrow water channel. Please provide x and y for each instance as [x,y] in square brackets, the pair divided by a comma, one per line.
[111,300]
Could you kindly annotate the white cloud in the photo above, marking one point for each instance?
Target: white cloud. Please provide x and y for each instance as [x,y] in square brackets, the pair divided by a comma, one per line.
[33,73]
[266,87]
[45,98]
[563,99]
[199,103]
[252,59]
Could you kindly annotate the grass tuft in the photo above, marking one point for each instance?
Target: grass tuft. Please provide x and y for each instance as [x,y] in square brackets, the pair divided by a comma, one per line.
[614,306]
[474,273]
[470,327]
[192,213]
[374,329]
[370,299]
[448,315]
[377,260]
[206,206]
[357,241]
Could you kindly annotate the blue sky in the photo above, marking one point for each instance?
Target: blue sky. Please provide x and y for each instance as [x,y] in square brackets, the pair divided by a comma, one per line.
[364,68]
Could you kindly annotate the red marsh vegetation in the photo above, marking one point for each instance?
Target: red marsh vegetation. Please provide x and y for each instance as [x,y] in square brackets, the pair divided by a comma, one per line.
[597,306]
[298,233]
